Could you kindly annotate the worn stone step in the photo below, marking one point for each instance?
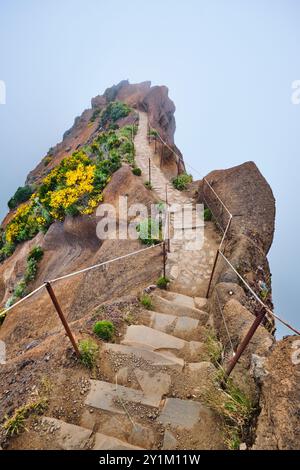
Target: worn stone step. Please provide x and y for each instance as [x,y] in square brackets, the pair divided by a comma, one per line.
[66,436]
[110,397]
[158,359]
[163,305]
[184,419]
[138,335]
[183,414]
[184,300]
[182,327]
[104,442]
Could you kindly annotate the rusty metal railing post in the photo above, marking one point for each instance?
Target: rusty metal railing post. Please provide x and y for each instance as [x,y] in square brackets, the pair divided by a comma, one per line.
[62,317]
[155,144]
[149,169]
[169,234]
[245,342]
[212,273]
[165,257]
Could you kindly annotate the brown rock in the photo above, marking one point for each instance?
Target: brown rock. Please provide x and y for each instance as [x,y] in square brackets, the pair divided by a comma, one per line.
[279,421]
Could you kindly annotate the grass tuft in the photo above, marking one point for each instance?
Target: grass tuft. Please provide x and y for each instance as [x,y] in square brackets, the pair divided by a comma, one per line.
[88,350]
[146,301]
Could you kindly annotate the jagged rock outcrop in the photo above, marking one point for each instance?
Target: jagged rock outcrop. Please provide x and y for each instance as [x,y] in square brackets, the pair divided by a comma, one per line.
[249,198]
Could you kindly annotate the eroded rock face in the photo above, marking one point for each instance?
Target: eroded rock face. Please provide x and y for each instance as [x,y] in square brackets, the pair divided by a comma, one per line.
[279,422]
[249,198]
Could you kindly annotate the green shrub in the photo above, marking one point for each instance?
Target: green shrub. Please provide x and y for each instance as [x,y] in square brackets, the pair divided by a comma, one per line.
[181,181]
[88,352]
[148,185]
[104,329]
[6,251]
[149,231]
[95,115]
[72,211]
[162,282]
[207,215]
[113,112]
[136,171]
[153,133]
[20,289]
[47,160]
[33,259]
[146,301]
[36,254]
[21,195]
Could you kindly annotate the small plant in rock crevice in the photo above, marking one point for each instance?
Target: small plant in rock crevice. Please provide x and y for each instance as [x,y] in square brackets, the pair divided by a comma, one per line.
[207,215]
[162,282]
[148,185]
[30,274]
[233,406]
[146,301]
[16,423]
[213,347]
[182,181]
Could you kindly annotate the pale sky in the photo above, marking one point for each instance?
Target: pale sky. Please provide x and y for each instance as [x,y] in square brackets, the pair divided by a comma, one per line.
[229,66]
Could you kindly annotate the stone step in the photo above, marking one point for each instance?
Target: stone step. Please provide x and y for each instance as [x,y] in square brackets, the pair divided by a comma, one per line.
[110,397]
[66,436]
[104,442]
[139,335]
[183,414]
[158,359]
[180,299]
[182,327]
[171,307]
[189,425]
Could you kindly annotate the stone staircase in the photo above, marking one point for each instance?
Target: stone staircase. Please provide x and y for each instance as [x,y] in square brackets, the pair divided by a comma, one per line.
[192,252]
[155,376]
[151,398]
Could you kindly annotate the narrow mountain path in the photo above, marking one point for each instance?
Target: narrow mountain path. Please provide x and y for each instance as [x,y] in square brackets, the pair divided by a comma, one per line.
[192,252]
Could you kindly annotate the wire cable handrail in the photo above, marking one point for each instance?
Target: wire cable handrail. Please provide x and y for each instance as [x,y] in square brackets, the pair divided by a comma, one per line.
[75,273]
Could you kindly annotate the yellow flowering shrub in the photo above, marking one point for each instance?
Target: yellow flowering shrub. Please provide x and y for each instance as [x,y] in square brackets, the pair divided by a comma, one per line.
[73,187]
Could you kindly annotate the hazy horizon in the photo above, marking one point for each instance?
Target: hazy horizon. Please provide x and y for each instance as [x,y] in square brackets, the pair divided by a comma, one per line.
[229,67]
